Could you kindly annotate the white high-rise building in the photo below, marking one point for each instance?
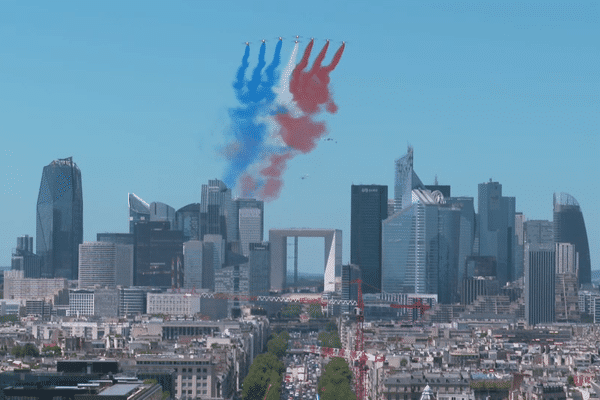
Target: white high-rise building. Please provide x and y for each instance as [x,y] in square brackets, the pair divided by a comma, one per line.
[250,228]
[192,263]
[105,264]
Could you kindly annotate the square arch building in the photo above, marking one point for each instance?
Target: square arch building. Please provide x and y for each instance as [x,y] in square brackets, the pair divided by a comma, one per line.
[333,254]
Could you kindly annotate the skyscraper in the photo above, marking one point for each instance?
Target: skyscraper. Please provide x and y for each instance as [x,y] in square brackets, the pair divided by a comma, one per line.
[105,264]
[368,210]
[569,227]
[250,222]
[405,181]
[217,211]
[158,255]
[23,258]
[188,220]
[496,223]
[466,205]
[163,212]
[139,210]
[540,292]
[259,269]
[59,222]
[410,247]
[539,235]
[519,244]
[192,261]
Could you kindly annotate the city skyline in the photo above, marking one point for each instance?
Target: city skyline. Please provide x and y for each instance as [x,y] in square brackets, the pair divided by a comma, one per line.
[140,102]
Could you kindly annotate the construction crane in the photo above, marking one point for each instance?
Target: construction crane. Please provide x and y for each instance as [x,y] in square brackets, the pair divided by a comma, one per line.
[358,357]
[359,365]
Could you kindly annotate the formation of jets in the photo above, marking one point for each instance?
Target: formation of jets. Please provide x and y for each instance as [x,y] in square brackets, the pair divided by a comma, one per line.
[296,40]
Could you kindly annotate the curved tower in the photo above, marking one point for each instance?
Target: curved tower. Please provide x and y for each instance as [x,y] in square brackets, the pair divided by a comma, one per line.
[59,219]
[569,227]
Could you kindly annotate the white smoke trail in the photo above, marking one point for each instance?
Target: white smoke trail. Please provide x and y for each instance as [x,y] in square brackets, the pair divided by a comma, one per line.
[284,97]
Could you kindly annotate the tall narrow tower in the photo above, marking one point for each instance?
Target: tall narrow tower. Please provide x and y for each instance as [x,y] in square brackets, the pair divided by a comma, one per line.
[59,219]
[569,227]
[368,210]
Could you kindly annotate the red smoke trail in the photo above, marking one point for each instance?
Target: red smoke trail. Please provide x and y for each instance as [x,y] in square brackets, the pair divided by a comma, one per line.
[248,185]
[273,173]
[310,91]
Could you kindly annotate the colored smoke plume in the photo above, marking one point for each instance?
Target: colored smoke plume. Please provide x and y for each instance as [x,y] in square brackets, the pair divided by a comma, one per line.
[270,128]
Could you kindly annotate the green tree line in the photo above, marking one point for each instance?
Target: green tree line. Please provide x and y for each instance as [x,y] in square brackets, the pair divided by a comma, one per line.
[266,371]
[28,350]
[336,381]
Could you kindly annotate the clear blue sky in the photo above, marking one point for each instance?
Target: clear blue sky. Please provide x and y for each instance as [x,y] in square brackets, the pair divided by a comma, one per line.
[138,93]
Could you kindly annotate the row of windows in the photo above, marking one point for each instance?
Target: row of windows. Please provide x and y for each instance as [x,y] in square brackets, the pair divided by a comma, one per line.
[142,362]
[192,370]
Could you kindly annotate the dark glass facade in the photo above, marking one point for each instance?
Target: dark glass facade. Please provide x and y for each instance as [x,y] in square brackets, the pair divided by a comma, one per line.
[368,210]
[116,238]
[467,232]
[59,219]
[259,266]
[188,221]
[448,249]
[569,227]
[216,211]
[158,259]
[496,228]
[540,295]
[139,210]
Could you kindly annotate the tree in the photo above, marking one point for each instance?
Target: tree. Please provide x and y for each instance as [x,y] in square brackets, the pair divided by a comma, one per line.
[335,382]
[314,310]
[331,326]
[52,351]
[265,370]
[291,310]
[403,362]
[570,380]
[278,344]
[330,339]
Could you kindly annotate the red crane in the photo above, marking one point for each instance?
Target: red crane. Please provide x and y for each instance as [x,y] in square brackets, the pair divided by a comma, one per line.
[360,365]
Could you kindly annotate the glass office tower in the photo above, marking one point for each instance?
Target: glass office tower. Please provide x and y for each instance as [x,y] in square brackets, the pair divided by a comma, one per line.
[368,210]
[496,228]
[139,210]
[569,227]
[59,219]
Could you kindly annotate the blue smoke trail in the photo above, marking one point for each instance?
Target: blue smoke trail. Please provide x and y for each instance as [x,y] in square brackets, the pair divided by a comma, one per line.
[257,97]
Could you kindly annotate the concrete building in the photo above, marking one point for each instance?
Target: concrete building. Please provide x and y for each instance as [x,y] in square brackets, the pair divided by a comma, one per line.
[81,302]
[195,376]
[105,264]
[186,304]
[132,301]
[17,287]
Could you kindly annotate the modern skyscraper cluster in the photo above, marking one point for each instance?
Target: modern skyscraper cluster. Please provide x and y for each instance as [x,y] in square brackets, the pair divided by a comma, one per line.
[424,241]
